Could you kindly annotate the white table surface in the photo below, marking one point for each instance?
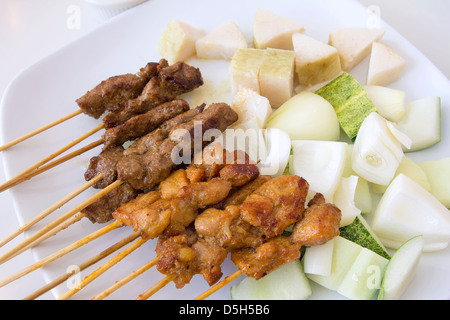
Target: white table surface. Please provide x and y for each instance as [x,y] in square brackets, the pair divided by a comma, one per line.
[31,29]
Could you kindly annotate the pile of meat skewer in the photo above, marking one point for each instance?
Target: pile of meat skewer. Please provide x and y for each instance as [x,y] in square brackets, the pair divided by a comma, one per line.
[202,212]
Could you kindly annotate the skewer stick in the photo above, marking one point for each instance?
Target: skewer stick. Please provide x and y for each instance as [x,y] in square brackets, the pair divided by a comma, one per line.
[49,234]
[60,220]
[102,269]
[219,285]
[125,280]
[83,266]
[39,130]
[21,175]
[161,284]
[50,209]
[61,253]
[54,163]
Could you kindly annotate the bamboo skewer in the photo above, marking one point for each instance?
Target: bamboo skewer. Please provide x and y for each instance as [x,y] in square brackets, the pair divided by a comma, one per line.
[220,285]
[39,130]
[60,220]
[52,164]
[47,235]
[50,209]
[60,253]
[125,280]
[84,266]
[21,175]
[103,269]
[161,284]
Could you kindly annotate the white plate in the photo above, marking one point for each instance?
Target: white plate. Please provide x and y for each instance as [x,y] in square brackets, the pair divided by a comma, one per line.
[47,91]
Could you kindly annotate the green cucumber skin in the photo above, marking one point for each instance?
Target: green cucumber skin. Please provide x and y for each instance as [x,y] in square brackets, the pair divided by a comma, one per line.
[358,233]
[350,101]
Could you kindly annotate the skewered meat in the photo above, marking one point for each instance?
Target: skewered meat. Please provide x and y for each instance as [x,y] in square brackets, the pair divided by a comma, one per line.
[320,224]
[105,163]
[101,210]
[276,205]
[115,91]
[171,216]
[170,82]
[185,255]
[143,124]
[143,144]
[144,171]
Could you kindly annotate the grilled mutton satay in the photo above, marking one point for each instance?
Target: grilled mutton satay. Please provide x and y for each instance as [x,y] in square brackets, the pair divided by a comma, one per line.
[106,164]
[319,225]
[100,211]
[146,170]
[143,124]
[116,91]
[170,82]
[174,211]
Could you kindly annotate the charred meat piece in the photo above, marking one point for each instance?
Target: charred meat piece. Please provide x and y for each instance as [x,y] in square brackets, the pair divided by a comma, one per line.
[115,91]
[144,171]
[171,81]
[105,163]
[101,210]
[143,124]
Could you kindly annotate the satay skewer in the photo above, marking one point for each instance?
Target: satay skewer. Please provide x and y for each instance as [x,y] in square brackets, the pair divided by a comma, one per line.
[158,286]
[53,164]
[50,209]
[83,266]
[126,280]
[58,221]
[220,285]
[60,253]
[23,174]
[103,269]
[39,130]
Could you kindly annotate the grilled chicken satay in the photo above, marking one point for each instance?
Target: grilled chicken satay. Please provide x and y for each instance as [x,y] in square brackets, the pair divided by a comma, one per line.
[187,254]
[319,225]
[204,247]
[174,211]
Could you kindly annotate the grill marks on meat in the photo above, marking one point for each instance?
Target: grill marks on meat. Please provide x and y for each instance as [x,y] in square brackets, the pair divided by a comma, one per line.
[115,91]
[170,82]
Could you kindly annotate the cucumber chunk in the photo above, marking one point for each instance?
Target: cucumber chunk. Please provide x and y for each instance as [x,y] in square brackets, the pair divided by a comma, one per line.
[350,101]
[401,269]
[422,123]
[285,283]
[345,253]
[364,277]
[361,233]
